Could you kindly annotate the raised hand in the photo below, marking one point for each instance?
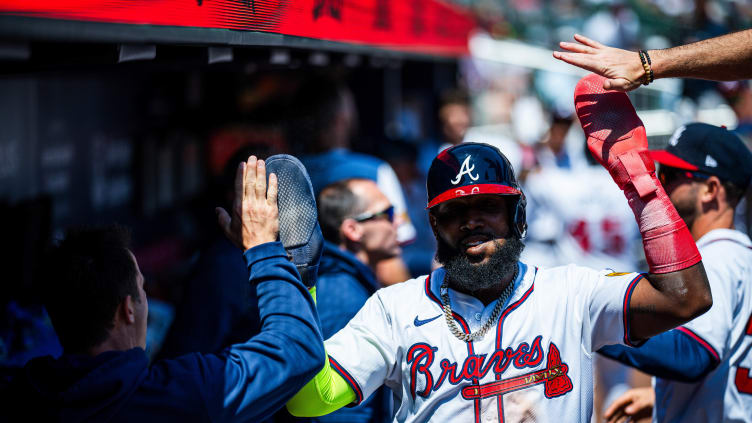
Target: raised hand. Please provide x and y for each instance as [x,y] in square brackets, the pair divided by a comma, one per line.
[255,216]
[633,405]
[622,68]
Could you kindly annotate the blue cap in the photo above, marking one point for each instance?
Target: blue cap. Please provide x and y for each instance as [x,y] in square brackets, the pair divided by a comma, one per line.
[708,149]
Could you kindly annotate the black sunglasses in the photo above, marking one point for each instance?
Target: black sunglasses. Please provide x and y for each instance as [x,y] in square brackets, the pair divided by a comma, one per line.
[388,213]
[668,175]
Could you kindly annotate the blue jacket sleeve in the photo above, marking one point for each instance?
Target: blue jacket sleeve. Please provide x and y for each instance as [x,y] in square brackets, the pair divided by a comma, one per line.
[260,375]
[671,355]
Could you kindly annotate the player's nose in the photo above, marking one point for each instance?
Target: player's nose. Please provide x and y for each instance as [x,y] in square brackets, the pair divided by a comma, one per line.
[472,221]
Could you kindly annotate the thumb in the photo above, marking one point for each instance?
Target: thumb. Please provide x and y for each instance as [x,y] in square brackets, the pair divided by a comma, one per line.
[616,84]
[223,218]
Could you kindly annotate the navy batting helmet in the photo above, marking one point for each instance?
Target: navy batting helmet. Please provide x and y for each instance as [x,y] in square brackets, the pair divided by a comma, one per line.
[471,169]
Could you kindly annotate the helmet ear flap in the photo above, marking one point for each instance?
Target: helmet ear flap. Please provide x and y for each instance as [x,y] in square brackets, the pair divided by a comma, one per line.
[520,218]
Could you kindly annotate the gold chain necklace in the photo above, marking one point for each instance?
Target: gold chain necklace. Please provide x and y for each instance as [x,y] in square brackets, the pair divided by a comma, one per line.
[469,337]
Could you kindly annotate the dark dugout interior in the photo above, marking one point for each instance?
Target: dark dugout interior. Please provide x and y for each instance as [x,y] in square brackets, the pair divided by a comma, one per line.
[99,133]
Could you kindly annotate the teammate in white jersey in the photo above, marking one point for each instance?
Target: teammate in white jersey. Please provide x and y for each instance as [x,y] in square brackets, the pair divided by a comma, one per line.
[487,338]
[704,366]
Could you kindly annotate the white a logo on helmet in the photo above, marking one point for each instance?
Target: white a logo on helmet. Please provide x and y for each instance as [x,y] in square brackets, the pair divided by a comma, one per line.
[465,169]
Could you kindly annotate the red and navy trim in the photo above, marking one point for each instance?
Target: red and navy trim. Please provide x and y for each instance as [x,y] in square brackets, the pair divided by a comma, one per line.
[705,344]
[500,326]
[476,189]
[349,379]
[625,314]
[466,329]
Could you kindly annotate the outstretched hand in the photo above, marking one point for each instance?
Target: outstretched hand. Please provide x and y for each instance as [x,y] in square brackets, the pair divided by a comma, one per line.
[255,216]
[622,68]
[633,405]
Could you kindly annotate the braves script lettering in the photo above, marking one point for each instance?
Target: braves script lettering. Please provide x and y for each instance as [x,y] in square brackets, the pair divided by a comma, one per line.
[421,357]
[465,169]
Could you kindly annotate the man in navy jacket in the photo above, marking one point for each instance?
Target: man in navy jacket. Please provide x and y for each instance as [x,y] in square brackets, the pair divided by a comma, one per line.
[95,297]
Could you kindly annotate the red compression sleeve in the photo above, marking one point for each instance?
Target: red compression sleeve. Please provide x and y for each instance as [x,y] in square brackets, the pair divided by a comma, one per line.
[616,138]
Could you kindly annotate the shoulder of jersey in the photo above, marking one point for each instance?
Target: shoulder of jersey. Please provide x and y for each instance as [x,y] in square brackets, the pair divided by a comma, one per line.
[569,273]
[407,291]
[726,252]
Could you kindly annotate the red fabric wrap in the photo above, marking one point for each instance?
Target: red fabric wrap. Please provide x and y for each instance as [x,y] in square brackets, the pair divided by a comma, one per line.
[617,139]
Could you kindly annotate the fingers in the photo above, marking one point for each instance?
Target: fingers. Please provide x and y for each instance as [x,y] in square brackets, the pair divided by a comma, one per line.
[579,60]
[587,41]
[619,403]
[576,48]
[260,180]
[249,184]
[271,195]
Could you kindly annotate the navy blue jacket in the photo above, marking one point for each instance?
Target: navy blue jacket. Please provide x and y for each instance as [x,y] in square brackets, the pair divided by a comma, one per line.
[670,355]
[219,287]
[246,382]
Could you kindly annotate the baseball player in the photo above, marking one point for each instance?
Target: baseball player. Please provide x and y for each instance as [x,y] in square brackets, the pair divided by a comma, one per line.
[488,338]
[703,367]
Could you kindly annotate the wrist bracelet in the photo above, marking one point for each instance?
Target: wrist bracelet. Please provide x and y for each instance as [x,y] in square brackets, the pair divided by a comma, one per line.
[646,65]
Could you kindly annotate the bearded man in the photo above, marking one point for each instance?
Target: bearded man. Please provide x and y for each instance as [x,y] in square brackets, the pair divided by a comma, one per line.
[489,338]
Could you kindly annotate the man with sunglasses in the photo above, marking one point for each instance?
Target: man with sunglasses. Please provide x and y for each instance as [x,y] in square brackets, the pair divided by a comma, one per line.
[359,228]
[702,368]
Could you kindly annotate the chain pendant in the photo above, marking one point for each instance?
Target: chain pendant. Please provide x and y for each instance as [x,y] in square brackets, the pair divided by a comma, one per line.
[470,337]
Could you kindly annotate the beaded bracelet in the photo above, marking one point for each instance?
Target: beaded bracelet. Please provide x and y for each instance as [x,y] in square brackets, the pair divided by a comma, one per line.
[645,59]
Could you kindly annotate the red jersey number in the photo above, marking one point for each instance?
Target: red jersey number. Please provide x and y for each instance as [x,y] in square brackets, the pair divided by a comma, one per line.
[743,380]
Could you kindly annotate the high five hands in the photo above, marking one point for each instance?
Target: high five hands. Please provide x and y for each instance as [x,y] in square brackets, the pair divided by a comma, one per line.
[255,216]
[621,68]
[724,58]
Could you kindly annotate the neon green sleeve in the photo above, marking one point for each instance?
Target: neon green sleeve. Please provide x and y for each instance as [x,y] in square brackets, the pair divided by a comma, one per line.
[325,393]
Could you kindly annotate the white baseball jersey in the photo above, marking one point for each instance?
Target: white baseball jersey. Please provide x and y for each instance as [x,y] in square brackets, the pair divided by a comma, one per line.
[536,361]
[724,395]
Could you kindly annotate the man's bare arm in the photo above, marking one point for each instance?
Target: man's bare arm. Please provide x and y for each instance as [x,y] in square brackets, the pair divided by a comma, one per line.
[664,301]
[677,289]
[724,58]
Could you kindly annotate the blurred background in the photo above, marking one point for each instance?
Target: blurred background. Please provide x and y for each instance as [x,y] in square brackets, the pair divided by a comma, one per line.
[105,121]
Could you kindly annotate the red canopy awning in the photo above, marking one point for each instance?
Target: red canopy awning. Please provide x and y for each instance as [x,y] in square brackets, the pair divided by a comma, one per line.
[420,26]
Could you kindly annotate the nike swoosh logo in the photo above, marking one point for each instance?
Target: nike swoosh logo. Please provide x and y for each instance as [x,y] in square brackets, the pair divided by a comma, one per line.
[419,322]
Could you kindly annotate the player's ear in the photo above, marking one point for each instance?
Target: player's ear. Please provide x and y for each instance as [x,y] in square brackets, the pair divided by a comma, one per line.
[433,221]
[711,190]
[126,310]
[351,230]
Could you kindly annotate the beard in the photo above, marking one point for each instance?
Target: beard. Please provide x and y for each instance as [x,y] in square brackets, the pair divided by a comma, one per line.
[468,275]
[687,207]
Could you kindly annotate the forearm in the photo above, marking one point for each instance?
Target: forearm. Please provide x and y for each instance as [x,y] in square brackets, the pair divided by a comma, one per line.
[676,289]
[670,355]
[671,299]
[324,394]
[262,373]
[724,58]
